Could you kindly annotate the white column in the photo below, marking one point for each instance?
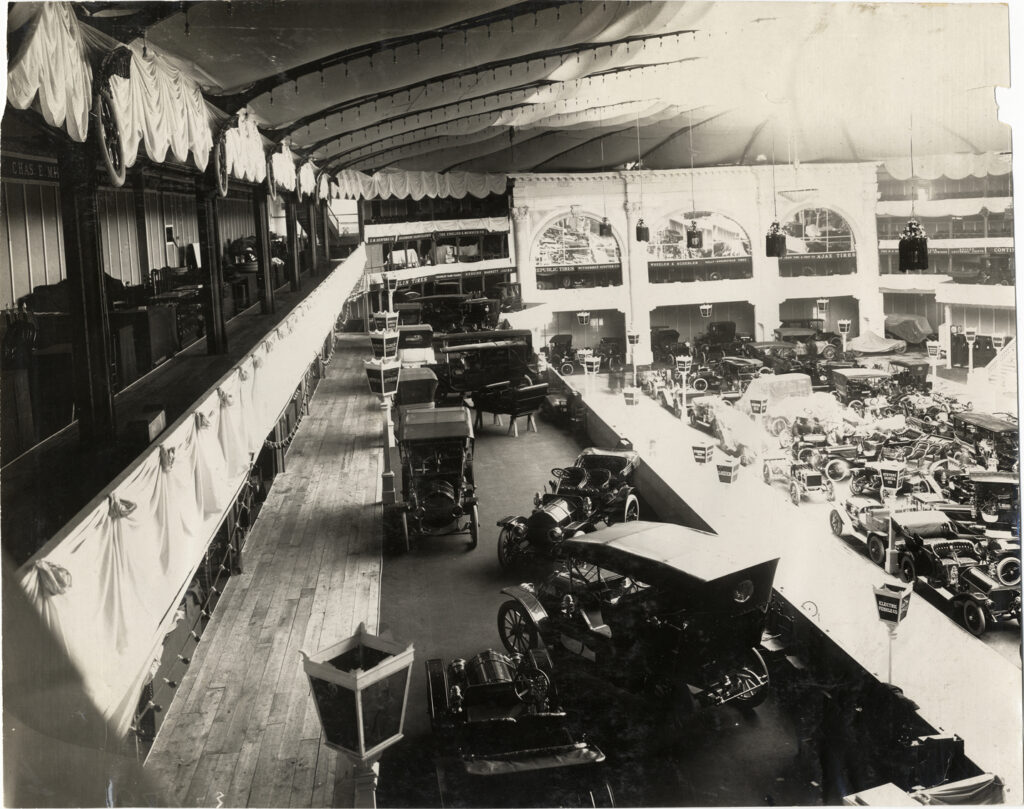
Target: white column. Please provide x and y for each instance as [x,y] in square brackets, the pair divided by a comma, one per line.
[634,278]
[521,237]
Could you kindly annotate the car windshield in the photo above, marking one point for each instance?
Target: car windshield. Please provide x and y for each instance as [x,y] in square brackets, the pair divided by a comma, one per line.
[613,463]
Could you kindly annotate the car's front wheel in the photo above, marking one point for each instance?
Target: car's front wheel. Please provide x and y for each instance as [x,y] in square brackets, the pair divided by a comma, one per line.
[474,527]
[837,469]
[512,549]
[974,618]
[835,522]
[517,632]
[753,677]
[794,493]
[908,570]
[1008,571]
[876,550]
[631,512]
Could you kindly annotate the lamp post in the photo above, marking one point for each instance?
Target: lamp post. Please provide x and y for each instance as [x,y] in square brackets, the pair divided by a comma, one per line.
[845,324]
[933,347]
[361,688]
[893,603]
[392,283]
[822,305]
[633,337]
[971,336]
[382,377]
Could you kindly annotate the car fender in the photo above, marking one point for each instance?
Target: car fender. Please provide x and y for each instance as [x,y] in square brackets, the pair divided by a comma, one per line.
[529,601]
[510,520]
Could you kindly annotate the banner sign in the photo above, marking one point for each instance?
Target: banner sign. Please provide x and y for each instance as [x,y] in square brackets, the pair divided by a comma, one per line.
[669,264]
[795,258]
[389,238]
[893,603]
[551,269]
[892,476]
[25,168]
[955,251]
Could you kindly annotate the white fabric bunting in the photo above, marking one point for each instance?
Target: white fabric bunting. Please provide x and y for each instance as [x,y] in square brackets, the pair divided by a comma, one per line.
[162,108]
[108,586]
[307,179]
[283,164]
[418,184]
[243,144]
[52,67]
[953,166]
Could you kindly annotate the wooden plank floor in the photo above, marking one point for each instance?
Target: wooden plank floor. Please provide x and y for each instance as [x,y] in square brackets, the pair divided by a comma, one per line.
[242,729]
[34,509]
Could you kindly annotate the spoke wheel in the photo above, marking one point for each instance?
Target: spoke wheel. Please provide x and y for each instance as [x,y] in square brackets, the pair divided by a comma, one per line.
[876,550]
[837,469]
[566,368]
[835,522]
[908,571]
[1008,571]
[700,384]
[474,527]
[109,136]
[511,548]
[857,484]
[974,618]
[753,669]
[632,510]
[518,634]
[794,494]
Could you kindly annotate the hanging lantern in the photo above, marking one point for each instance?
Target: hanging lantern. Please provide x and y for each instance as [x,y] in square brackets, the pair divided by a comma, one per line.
[694,236]
[775,241]
[382,376]
[605,228]
[822,304]
[643,233]
[633,337]
[913,247]
[583,317]
[705,310]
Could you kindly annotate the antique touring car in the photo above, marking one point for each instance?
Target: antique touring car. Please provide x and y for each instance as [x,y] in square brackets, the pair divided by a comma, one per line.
[655,608]
[502,738]
[438,495]
[597,487]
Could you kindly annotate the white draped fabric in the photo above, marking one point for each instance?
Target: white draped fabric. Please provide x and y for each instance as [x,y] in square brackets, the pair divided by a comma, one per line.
[492,224]
[953,166]
[418,184]
[944,207]
[244,150]
[283,165]
[52,68]
[108,585]
[162,108]
[307,179]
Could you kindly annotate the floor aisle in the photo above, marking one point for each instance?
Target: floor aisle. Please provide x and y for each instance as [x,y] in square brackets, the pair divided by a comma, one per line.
[243,730]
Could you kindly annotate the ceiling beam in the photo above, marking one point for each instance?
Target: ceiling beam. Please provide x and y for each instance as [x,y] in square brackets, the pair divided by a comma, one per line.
[281,132]
[750,141]
[128,27]
[677,133]
[580,145]
[511,147]
[232,102]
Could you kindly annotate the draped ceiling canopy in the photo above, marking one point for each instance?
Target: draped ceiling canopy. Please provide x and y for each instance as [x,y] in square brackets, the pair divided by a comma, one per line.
[551,85]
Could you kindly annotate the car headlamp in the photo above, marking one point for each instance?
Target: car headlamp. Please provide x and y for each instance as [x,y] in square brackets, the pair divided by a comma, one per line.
[588,505]
[519,529]
[555,533]
[954,575]
[536,499]
[744,590]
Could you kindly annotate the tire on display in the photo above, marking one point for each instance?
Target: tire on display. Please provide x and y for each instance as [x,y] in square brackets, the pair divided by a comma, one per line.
[517,632]
[510,548]
[754,666]
[974,618]
[835,522]
[1008,571]
[837,469]
[108,136]
[631,511]
[908,570]
[474,527]
[876,550]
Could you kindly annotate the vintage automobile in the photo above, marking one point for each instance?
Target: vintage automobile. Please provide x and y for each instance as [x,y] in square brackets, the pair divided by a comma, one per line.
[438,493]
[719,340]
[445,313]
[934,548]
[471,361]
[910,374]
[653,608]
[866,519]
[503,739]
[735,373]
[612,351]
[781,358]
[509,295]
[480,314]
[811,332]
[701,412]
[561,354]
[417,388]
[836,461]
[853,385]
[596,488]
[801,478]
[987,440]
[867,480]
[664,342]
[993,497]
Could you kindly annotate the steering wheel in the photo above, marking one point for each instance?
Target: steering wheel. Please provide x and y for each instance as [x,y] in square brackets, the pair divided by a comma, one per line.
[531,686]
[568,473]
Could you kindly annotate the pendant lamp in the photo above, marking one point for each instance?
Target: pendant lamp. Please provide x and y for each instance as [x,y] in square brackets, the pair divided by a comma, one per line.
[605,227]
[694,236]
[775,239]
[643,233]
[913,242]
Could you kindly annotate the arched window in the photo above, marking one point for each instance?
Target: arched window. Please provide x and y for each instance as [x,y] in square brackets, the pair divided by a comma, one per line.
[724,252]
[570,252]
[818,242]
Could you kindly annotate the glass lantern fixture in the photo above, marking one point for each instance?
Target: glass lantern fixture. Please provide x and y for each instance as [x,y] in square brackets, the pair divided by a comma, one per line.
[385,321]
[583,317]
[633,337]
[643,233]
[361,688]
[775,241]
[604,228]
[913,247]
[705,310]
[694,236]
[822,304]
[845,324]
[384,344]
[382,376]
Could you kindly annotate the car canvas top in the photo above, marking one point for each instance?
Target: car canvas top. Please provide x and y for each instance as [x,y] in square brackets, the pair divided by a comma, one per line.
[1008,478]
[675,551]
[859,373]
[440,422]
[987,422]
[919,519]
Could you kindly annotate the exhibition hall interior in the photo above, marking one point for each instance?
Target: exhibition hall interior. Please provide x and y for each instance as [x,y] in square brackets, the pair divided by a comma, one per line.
[422,403]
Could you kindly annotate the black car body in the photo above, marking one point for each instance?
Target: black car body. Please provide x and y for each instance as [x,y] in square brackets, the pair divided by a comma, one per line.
[503,739]
[804,330]
[663,343]
[720,340]
[653,608]
[852,386]
[780,357]
[470,361]
[987,440]
[993,497]
[596,488]
[910,375]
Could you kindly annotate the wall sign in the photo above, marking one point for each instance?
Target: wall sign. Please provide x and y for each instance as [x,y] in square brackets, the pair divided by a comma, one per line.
[27,168]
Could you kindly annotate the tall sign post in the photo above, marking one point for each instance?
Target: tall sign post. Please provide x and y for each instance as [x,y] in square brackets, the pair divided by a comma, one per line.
[971,336]
[891,474]
[893,603]
[844,324]
[933,347]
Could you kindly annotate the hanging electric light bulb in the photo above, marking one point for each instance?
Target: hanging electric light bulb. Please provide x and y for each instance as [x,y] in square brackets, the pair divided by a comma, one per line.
[694,236]
[913,249]
[643,233]
[775,239]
